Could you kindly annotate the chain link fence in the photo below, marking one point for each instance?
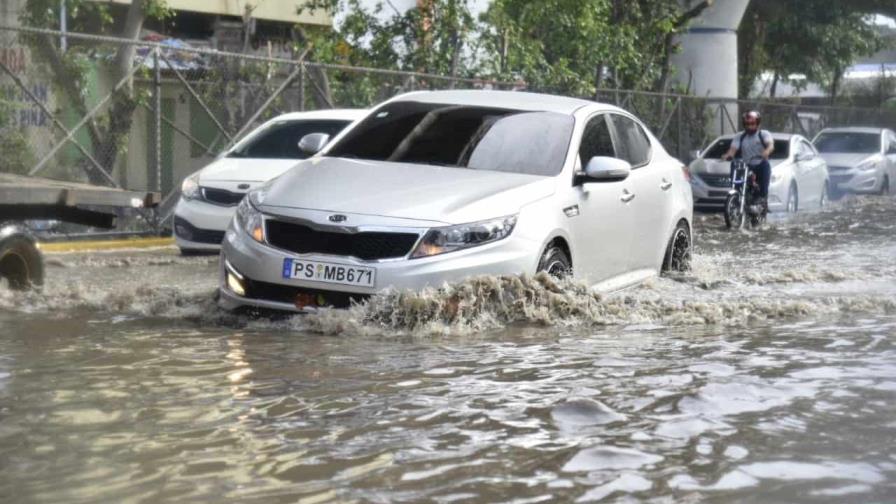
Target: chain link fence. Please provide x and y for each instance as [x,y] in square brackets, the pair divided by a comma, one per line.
[144,115]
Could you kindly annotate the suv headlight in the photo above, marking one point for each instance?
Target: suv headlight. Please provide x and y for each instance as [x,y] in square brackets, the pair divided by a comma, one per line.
[189,189]
[866,166]
[249,219]
[451,238]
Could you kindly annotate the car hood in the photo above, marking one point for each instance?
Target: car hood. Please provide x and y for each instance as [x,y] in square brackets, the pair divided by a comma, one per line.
[719,167]
[846,160]
[402,190]
[228,169]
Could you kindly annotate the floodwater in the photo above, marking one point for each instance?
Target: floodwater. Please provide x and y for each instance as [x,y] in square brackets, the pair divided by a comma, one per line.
[768,374]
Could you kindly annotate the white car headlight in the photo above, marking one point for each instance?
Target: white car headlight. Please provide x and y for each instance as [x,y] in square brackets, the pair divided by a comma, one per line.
[451,238]
[190,187]
[866,166]
[249,219]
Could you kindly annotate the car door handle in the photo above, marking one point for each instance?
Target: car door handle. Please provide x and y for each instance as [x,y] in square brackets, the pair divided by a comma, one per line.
[666,185]
[626,196]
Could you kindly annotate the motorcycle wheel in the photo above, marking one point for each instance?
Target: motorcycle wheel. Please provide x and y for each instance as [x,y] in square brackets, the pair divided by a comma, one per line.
[734,217]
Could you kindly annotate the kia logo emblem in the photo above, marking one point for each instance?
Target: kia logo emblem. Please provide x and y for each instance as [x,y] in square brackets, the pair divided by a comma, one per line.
[337,218]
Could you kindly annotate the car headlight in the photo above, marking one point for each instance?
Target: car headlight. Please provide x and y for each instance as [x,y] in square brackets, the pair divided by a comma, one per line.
[866,166]
[249,219]
[451,238]
[190,187]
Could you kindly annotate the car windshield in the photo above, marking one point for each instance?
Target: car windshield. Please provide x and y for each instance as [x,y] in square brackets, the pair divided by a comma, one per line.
[848,143]
[462,136]
[280,140]
[720,147]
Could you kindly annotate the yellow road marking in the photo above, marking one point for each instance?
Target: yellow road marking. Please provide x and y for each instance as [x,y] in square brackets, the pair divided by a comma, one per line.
[81,246]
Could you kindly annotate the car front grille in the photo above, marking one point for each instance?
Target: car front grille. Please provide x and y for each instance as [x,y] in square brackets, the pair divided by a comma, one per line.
[837,168]
[716,180]
[369,246]
[840,179]
[221,196]
[189,232]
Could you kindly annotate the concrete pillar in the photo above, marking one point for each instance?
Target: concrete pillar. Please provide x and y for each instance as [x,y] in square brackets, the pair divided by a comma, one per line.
[708,58]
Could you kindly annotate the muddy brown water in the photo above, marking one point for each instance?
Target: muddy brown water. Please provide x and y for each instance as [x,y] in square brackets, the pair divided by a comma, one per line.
[768,374]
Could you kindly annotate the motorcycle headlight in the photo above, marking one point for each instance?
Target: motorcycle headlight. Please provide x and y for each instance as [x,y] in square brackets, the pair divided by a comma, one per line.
[249,219]
[190,187]
[452,238]
[866,166]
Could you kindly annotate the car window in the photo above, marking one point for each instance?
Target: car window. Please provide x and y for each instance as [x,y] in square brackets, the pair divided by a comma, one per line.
[280,140]
[462,136]
[891,138]
[848,142]
[633,144]
[596,140]
[806,150]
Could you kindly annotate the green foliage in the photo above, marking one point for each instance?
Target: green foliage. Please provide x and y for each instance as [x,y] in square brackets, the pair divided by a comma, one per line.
[15,152]
[817,39]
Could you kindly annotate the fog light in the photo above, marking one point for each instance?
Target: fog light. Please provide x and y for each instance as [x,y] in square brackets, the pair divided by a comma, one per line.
[235,284]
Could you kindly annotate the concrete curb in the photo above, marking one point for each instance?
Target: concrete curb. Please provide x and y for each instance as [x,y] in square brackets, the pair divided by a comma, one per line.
[86,246]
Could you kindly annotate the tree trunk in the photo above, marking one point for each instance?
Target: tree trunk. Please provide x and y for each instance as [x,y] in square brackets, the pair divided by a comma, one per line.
[773,91]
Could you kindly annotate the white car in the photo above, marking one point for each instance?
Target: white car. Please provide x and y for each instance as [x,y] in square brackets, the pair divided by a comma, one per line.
[210,196]
[799,175]
[434,187]
[861,160]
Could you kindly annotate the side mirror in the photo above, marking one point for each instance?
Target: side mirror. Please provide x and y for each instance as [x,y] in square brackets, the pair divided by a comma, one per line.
[312,143]
[694,154]
[802,156]
[605,169]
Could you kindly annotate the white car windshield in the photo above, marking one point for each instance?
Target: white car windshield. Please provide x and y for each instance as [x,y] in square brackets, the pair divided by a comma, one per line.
[848,143]
[478,138]
[280,140]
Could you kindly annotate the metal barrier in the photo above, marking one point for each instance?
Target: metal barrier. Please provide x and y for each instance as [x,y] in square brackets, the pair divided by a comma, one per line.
[144,115]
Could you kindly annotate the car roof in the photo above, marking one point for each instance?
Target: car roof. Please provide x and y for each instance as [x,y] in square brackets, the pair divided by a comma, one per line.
[853,129]
[514,100]
[775,136]
[335,114]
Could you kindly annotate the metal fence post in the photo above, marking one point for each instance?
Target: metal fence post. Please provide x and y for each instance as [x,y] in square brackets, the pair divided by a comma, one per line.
[157,126]
[302,86]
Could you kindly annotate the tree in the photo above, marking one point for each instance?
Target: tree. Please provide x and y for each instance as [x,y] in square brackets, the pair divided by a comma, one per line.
[107,131]
[816,39]
[576,47]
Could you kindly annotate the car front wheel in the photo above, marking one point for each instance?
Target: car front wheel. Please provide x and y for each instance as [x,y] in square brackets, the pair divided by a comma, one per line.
[555,262]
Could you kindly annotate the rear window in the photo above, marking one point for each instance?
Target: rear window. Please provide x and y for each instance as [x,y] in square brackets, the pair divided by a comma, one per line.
[719,148]
[478,138]
[280,140]
[848,143]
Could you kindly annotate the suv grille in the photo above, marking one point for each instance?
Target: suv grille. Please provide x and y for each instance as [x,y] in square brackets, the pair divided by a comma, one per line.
[716,180]
[221,196]
[368,246]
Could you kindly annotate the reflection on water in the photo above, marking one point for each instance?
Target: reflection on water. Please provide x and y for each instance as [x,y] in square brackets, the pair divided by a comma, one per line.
[767,374]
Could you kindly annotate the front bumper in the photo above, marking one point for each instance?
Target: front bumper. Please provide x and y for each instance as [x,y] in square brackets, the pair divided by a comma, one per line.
[708,198]
[199,225]
[261,266]
[856,181]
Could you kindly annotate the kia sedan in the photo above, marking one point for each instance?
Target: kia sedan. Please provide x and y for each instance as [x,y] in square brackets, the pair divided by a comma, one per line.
[861,160]
[799,175]
[435,187]
[210,196]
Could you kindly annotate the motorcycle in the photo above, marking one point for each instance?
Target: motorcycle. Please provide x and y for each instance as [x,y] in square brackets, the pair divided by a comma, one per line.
[744,198]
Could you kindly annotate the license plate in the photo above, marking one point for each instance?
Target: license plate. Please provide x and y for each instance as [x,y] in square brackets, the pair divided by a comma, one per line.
[334,273]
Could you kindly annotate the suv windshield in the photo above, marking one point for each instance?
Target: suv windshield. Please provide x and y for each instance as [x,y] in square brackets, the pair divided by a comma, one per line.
[462,136]
[280,140]
[848,143]
[718,149]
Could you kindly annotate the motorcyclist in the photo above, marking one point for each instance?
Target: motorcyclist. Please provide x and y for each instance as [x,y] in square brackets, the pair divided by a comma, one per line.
[755,146]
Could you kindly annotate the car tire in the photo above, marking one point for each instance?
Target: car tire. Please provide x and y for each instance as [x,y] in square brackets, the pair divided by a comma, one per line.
[793,199]
[555,262]
[678,252]
[825,195]
[21,263]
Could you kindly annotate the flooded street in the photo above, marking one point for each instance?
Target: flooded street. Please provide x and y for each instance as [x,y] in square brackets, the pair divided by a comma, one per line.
[767,374]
